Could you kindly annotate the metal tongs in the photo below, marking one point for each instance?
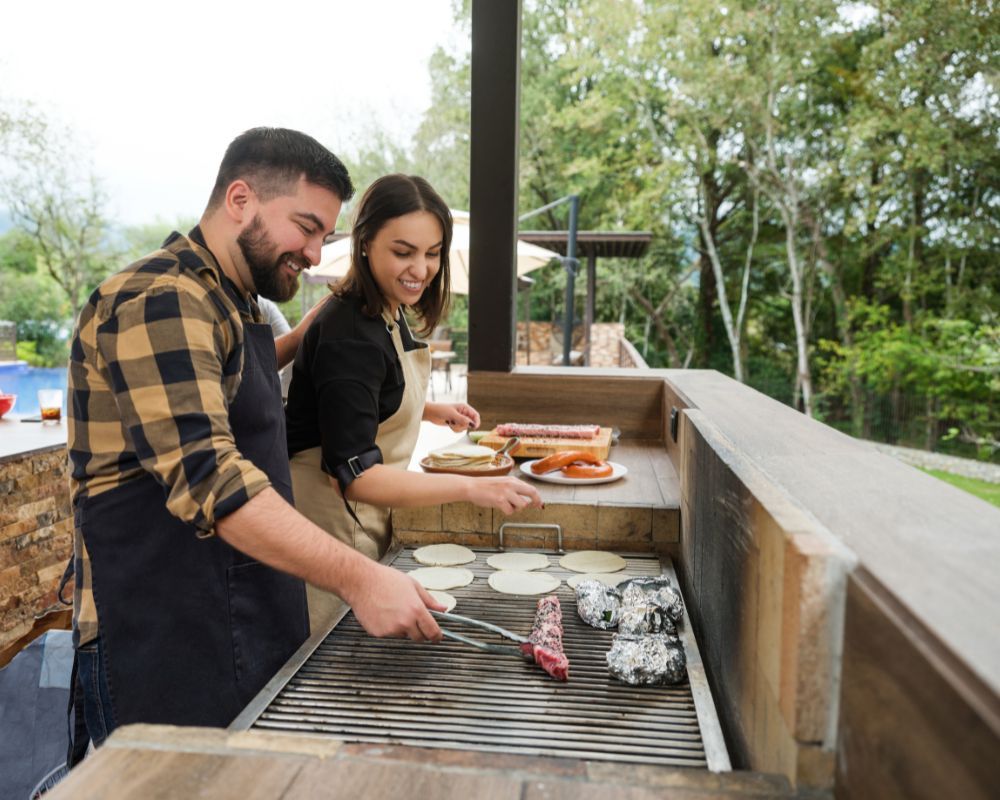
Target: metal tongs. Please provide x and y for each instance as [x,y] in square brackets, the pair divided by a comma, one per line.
[500,649]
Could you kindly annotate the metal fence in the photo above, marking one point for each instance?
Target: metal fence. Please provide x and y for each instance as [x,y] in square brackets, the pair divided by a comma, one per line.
[8,341]
[898,418]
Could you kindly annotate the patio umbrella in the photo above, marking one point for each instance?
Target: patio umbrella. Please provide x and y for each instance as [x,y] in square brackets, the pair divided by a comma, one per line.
[336,257]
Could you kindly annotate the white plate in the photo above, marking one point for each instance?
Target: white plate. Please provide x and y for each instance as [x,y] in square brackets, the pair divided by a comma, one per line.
[617,471]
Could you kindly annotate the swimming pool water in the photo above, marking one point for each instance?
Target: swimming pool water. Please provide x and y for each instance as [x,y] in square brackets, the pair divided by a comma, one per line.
[25,381]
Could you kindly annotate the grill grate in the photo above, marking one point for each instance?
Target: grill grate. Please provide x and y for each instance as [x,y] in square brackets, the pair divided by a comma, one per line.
[357,688]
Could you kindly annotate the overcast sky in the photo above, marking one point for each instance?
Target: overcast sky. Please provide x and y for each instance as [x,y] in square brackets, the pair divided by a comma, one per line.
[155,92]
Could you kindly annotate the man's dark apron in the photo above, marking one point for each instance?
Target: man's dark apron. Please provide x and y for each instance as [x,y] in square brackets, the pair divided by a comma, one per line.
[191,629]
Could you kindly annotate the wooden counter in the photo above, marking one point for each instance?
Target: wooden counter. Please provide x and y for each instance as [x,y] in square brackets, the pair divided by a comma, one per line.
[22,438]
[843,604]
[639,513]
[651,480]
[800,550]
[180,763]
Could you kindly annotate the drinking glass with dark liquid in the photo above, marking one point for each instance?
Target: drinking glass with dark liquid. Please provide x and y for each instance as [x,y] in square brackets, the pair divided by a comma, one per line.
[50,405]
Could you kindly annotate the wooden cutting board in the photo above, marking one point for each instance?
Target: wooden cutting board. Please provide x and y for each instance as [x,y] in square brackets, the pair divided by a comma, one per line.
[541,446]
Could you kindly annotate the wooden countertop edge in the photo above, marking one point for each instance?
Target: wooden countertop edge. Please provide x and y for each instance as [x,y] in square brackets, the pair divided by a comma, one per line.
[310,757]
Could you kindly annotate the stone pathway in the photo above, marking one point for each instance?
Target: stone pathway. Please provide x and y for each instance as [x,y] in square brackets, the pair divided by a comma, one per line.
[968,467]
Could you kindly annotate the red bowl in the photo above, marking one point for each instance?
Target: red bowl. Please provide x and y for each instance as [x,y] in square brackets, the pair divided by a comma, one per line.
[7,403]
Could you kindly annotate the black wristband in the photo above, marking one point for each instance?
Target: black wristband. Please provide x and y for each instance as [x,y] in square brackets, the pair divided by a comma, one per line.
[351,469]
[346,472]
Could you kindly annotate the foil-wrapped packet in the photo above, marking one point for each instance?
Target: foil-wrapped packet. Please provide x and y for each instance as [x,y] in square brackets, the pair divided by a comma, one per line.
[598,605]
[638,620]
[656,658]
[653,592]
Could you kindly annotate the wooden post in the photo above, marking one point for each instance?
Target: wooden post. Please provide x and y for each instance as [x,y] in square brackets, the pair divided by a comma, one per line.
[496,83]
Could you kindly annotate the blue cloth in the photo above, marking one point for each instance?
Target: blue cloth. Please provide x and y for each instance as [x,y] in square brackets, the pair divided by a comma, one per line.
[34,692]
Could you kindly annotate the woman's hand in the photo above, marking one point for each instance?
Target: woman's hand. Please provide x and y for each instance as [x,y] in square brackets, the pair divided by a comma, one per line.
[459,417]
[506,494]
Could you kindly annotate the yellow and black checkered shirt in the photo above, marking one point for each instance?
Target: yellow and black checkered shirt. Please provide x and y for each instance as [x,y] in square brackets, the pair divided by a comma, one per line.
[155,362]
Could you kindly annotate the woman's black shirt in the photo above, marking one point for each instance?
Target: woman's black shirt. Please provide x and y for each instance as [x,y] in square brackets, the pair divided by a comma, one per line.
[346,379]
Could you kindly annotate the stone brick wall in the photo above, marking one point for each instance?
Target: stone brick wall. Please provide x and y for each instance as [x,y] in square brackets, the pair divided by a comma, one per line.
[546,349]
[36,538]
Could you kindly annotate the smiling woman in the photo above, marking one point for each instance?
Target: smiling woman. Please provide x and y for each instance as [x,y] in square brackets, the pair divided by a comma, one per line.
[359,383]
[406,257]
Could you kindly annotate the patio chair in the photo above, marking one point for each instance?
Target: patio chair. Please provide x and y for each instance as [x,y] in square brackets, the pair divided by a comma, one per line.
[442,355]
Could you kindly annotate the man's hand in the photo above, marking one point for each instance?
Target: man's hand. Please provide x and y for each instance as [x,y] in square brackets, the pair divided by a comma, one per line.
[386,601]
[390,603]
[310,315]
[506,494]
[460,417]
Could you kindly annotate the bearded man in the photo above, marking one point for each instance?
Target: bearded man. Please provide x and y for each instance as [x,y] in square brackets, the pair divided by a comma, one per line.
[188,555]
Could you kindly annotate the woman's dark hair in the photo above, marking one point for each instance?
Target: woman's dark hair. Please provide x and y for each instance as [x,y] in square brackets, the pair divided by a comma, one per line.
[393,196]
[272,160]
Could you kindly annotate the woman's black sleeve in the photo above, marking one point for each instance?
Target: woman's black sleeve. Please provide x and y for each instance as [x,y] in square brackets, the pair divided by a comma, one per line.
[348,376]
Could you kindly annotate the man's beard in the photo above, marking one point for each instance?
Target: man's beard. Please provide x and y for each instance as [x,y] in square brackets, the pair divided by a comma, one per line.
[265,269]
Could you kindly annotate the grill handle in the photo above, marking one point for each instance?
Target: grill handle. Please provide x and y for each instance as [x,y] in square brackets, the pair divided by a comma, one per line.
[536,525]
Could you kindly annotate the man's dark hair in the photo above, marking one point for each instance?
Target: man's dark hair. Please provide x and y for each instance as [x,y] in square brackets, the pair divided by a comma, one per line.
[272,160]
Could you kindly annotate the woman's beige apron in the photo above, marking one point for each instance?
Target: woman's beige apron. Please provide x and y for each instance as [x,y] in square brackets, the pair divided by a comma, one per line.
[318,499]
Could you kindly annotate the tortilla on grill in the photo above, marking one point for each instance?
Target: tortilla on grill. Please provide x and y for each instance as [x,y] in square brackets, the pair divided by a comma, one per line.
[592,561]
[443,555]
[611,579]
[507,582]
[441,578]
[518,562]
[444,599]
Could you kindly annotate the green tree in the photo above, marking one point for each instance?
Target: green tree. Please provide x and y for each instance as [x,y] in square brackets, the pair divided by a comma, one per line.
[56,201]
[953,365]
[32,301]
[18,253]
[583,132]
[139,240]
[925,132]
[797,164]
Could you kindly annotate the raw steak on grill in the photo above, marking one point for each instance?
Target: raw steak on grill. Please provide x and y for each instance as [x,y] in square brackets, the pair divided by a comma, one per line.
[550,431]
[545,641]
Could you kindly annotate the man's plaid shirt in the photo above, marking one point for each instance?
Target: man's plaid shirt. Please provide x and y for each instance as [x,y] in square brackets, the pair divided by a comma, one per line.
[155,362]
